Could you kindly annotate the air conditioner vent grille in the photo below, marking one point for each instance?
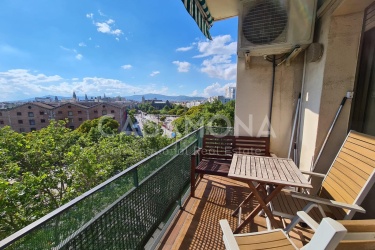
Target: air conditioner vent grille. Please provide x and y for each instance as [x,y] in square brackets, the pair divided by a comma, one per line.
[265,22]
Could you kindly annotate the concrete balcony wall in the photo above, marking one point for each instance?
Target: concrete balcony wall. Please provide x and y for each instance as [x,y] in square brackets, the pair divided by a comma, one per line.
[253,99]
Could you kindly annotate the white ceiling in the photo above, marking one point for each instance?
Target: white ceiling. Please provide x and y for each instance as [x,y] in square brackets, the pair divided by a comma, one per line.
[222,9]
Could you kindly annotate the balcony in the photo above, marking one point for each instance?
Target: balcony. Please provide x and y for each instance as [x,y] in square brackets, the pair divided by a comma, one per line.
[146,206]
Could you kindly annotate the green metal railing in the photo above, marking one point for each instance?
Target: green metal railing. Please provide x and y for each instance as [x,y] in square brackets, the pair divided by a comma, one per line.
[125,211]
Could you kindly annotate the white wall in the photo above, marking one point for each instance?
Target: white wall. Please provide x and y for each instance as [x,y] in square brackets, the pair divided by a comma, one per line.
[253,100]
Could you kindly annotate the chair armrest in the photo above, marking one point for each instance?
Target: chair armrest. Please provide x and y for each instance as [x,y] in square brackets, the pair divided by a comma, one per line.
[228,237]
[308,220]
[313,174]
[328,202]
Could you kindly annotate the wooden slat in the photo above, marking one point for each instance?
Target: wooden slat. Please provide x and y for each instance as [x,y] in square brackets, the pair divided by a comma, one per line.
[347,184]
[363,137]
[248,159]
[359,225]
[363,152]
[366,160]
[266,240]
[263,168]
[357,166]
[364,144]
[347,177]
[260,174]
[336,191]
[233,164]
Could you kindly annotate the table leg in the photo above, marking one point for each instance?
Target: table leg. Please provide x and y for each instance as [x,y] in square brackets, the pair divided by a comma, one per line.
[262,204]
[245,200]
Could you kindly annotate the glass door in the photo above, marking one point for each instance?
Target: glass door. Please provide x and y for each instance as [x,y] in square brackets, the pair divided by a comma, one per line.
[363,116]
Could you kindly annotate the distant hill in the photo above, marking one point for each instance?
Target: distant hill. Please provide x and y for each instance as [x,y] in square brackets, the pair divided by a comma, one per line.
[180,98]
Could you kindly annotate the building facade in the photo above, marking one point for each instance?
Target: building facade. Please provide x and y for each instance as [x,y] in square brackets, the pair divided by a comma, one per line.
[230,93]
[35,115]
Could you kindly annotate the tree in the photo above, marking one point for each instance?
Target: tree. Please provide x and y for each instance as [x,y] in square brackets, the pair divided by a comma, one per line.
[209,114]
[42,170]
[152,129]
[162,118]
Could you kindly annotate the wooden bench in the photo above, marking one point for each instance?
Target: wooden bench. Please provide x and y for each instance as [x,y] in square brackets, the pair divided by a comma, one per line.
[215,156]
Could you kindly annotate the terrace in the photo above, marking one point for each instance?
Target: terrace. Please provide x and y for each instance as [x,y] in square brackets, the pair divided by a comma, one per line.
[146,206]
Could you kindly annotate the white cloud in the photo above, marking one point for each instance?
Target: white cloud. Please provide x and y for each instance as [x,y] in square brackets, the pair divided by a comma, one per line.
[82,44]
[126,66]
[182,66]
[18,84]
[154,73]
[219,45]
[195,93]
[220,54]
[79,56]
[220,67]
[183,49]
[117,39]
[107,27]
[216,89]
[101,13]
[90,15]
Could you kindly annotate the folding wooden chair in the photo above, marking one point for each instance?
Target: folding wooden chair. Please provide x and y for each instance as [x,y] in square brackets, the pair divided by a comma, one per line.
[327,236]
[343,189]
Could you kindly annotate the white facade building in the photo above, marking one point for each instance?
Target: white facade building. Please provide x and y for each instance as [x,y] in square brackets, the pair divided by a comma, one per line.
[230,93]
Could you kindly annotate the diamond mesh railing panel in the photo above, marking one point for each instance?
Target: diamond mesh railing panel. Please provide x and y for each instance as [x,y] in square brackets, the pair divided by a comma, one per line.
[128,223]
[122,214]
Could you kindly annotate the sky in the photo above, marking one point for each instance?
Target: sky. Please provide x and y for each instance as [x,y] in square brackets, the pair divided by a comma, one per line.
[116,48]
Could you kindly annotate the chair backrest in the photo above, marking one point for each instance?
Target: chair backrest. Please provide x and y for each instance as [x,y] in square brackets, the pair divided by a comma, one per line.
[351,174]
[327,236]
[224,147]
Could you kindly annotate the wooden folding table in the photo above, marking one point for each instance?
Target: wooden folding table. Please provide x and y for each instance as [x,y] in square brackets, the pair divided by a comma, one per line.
[277,172]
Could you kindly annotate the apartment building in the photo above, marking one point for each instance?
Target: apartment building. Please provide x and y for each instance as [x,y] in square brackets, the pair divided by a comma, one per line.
[35,115]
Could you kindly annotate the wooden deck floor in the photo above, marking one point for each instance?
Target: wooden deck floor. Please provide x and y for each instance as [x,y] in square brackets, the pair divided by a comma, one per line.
[197,226]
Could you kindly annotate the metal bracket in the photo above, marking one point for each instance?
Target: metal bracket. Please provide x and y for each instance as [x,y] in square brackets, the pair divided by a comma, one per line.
[247,60]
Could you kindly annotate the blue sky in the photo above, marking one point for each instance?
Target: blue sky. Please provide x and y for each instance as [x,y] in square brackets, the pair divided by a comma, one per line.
[113,47]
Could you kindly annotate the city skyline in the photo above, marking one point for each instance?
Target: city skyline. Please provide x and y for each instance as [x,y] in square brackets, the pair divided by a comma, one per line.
[117,48]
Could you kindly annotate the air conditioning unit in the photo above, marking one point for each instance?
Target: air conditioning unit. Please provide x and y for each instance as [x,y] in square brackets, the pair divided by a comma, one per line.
[271,27]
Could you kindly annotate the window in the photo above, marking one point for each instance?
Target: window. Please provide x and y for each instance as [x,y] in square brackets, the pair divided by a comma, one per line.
[32,129]
[31,114]
[1,114]
[95,111]
[71,120]
[60,112]
[20,121]
[104,112]
[79,112]
[41,113]
[71,127]
[112,111]
[69,107]
[22,130]
[70,113]
[29,107]
[80,119]
[19,113]
[43,121]
[32,122]
[1,122]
